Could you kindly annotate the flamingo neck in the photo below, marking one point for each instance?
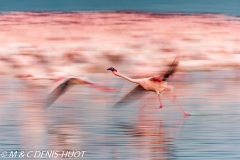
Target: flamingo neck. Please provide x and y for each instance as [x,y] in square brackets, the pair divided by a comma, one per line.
[128,78]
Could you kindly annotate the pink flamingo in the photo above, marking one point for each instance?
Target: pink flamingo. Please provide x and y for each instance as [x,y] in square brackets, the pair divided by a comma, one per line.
[156,84]
[62,82]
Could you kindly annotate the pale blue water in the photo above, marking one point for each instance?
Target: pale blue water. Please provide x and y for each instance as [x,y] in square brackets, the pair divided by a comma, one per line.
[84,120]
[188,6]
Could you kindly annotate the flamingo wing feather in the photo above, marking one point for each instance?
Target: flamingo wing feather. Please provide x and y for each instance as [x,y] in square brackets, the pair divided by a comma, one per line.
[171,70]
[133,95]
[58,91]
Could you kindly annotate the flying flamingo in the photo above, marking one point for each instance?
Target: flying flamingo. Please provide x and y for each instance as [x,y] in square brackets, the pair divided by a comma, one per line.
[156,84]
[62,82]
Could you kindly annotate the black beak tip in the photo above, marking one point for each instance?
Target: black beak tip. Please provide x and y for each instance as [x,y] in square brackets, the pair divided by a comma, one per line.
[111,69]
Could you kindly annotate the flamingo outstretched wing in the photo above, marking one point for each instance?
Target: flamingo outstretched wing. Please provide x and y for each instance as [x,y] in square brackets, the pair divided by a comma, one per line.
[135,94]
[60,89]
[171,70]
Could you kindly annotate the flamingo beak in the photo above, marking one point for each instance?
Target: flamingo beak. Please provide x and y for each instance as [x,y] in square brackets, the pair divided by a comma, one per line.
[112,69]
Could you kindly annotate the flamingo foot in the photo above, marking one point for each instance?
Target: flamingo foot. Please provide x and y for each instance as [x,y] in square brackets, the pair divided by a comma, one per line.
[160,106]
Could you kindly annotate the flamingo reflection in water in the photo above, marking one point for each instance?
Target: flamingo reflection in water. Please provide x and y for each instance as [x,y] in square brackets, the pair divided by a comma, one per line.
[154,137]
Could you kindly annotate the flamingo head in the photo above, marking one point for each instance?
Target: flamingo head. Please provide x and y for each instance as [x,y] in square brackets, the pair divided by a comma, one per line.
[112,69]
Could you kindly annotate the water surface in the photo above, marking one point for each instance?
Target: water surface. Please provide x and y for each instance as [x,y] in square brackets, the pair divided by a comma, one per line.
[84,120]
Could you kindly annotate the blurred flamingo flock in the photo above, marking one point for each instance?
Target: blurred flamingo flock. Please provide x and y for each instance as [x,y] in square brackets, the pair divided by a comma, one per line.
[89,42]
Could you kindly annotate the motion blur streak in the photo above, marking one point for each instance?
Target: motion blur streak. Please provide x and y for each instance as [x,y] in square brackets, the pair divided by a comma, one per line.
[140,44]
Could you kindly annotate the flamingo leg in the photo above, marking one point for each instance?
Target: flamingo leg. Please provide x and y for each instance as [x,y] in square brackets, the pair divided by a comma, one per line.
[176,102]
[160,101]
